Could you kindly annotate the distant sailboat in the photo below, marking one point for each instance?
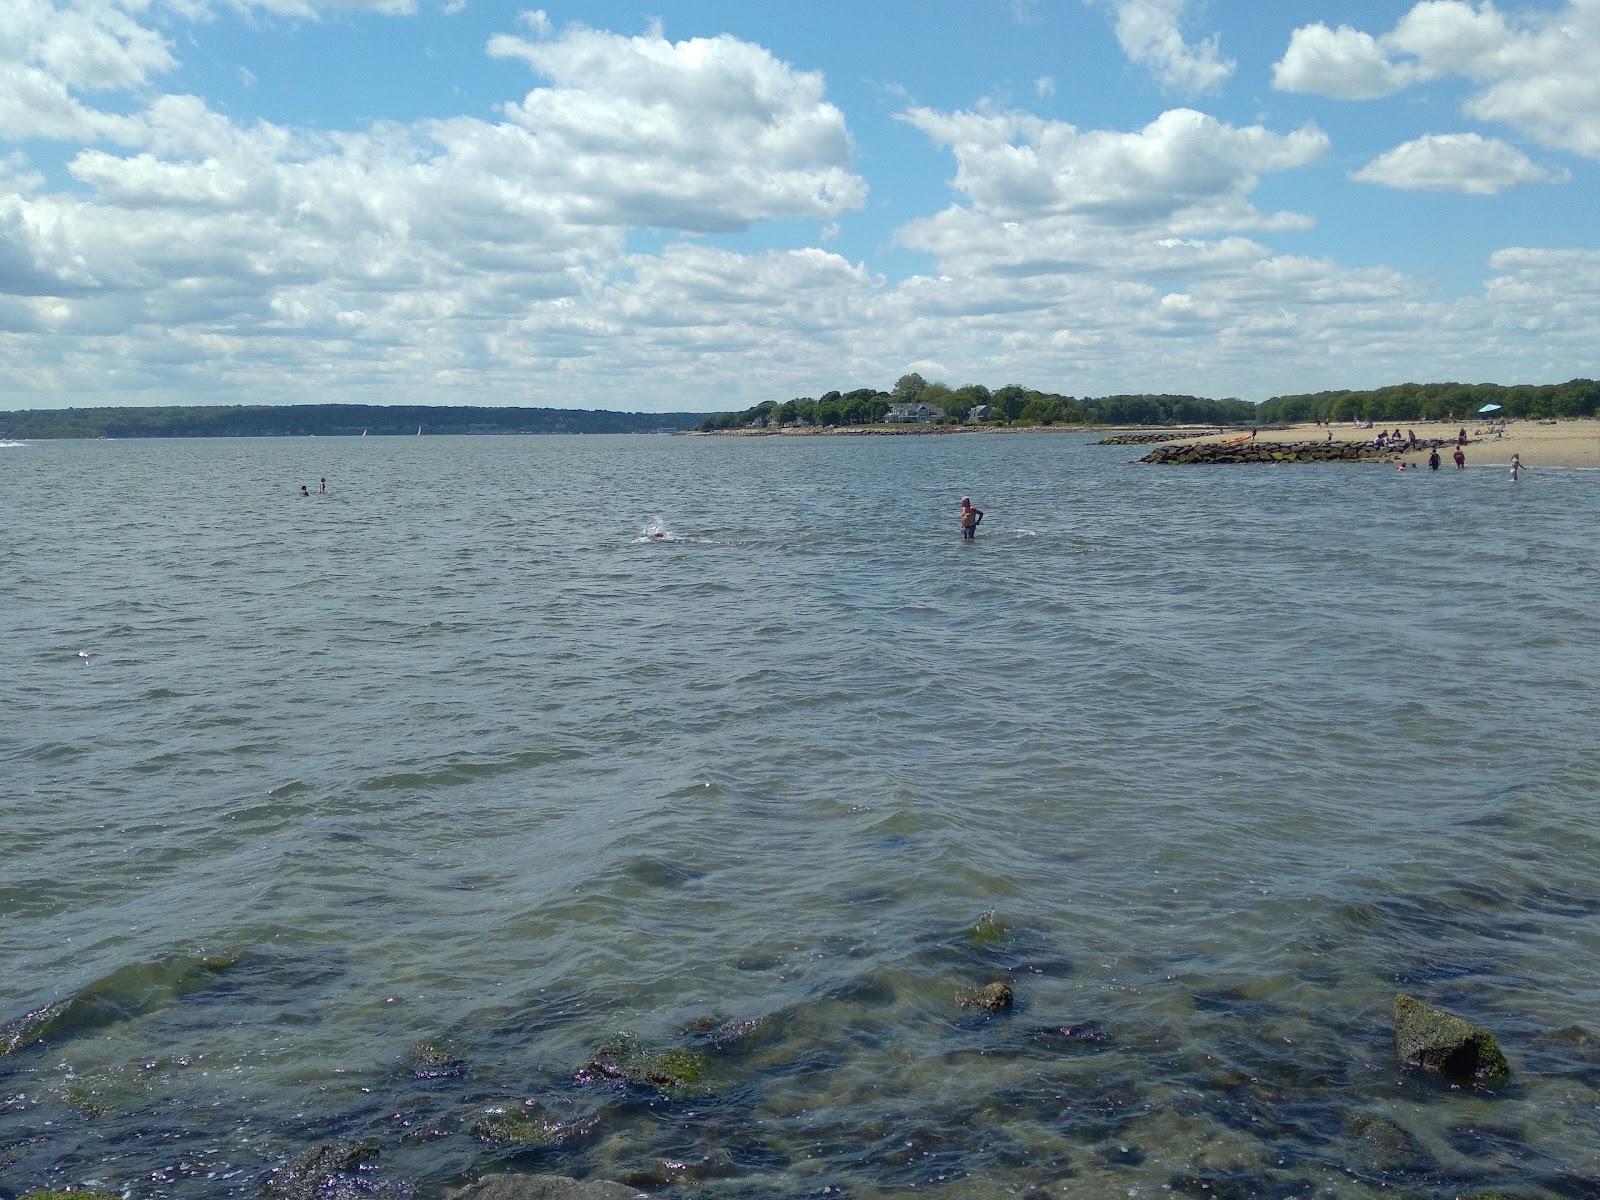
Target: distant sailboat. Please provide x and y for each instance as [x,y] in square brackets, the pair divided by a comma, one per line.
[364,432]
[419,430]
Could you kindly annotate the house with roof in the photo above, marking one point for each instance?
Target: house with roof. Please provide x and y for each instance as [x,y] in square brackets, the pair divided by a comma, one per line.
[913,414]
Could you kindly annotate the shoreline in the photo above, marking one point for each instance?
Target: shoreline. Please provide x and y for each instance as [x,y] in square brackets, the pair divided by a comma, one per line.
[917,430]
[1566,442]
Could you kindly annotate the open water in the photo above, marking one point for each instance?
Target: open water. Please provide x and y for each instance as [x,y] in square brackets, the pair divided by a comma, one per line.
[460,773]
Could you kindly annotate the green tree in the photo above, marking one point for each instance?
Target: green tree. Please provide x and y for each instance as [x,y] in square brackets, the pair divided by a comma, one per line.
[908,388]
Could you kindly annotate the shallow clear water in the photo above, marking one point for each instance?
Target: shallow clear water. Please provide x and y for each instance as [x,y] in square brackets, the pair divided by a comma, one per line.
[459,753]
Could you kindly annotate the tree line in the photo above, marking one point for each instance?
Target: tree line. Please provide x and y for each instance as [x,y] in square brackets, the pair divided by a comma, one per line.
[1435,402]
[1009,405]
[327,420]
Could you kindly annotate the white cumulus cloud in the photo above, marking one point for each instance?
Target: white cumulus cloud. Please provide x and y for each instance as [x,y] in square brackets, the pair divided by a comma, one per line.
[1455,162]
[1184,163]
[1150,33]
[1530,69]
[705,134]
[1342,63]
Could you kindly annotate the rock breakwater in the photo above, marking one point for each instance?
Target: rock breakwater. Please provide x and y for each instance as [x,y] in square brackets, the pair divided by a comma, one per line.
[1145,439]
[1284,452]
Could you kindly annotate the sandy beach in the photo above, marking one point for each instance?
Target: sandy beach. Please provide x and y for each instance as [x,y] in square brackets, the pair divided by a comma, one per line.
[1567,443]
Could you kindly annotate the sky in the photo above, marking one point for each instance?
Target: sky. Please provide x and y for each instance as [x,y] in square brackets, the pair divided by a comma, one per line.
[703,204]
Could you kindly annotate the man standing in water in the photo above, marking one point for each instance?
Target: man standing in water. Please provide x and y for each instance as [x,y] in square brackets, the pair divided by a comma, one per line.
[970,517]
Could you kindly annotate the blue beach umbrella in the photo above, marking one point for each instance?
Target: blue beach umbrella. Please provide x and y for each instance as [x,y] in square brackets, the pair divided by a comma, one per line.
[1488,408]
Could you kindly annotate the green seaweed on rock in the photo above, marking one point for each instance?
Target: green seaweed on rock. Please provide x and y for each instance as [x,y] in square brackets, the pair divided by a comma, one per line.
[1447,1045]
[674,1070]
[516,1123]
[128,992]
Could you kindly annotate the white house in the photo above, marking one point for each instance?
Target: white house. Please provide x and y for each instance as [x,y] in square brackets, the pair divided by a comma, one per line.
[913,414]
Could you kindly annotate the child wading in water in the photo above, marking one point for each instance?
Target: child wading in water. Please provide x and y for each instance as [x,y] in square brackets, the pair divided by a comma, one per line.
[970,517]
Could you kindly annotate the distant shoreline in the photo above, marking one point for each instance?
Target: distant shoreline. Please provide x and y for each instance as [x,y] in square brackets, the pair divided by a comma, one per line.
[916,430]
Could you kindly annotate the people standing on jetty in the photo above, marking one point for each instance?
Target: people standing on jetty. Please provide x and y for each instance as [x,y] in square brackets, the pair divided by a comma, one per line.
[970,516]
[1516,466]
[1433,459]
[1461,459]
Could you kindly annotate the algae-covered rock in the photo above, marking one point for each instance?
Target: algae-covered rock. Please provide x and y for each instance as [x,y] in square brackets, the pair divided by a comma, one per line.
[310,1176]
[516,1123]
[1447,1045]
[434,1058]
[127,992]
[991,998]
[545,1187]
[674,1070]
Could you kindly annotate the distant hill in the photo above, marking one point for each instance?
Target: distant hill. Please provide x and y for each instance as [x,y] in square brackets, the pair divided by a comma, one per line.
[327,420]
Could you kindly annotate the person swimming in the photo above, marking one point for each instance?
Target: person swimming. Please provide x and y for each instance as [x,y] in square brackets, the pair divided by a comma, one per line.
[304,492]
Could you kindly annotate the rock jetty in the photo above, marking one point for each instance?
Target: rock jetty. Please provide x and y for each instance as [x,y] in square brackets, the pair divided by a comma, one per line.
[1206,453]
[1145,439]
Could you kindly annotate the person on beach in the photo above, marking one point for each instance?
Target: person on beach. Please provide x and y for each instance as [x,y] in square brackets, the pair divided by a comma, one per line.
[1461,438]
[1461,459]
[1433,459]
[1516,466]
[970,517]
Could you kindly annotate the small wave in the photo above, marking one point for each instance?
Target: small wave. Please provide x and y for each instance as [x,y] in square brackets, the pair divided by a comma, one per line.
[5,445]
[1023,533]
[656,530]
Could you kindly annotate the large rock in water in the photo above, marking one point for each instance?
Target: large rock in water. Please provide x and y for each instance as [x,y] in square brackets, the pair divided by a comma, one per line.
[544,1187]
[1447,1045]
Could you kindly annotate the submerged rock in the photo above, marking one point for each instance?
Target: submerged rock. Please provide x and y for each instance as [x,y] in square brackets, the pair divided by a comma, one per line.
[517,1123]
[311,1176]
[544,1187]
[674,1070]
[127,992]
[434,1058]
[1385,1146]
[991,998]
[1447,1045]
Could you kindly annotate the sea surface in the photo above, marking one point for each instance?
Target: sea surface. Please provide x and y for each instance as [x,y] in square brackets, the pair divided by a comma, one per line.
[384,813]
